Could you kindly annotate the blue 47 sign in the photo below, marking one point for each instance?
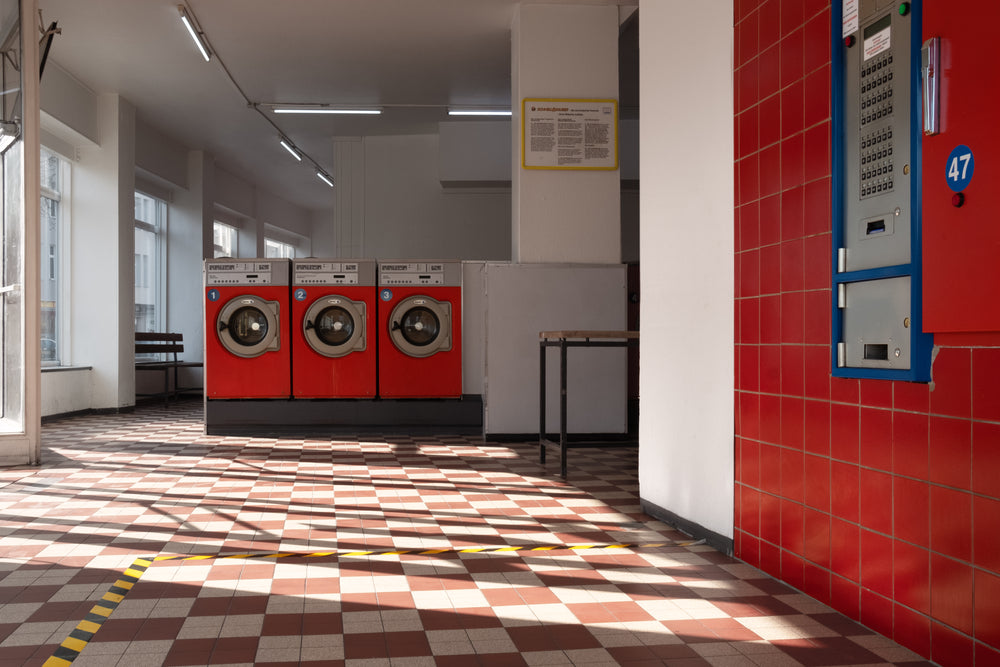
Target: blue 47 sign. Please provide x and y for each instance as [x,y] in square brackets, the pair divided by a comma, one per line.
[959,167]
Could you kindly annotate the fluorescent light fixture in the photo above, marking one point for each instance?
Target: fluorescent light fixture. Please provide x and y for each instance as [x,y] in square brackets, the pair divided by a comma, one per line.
[323,177]
[287,145]
[458,111]
[196,35]
[9,132]
[327,109]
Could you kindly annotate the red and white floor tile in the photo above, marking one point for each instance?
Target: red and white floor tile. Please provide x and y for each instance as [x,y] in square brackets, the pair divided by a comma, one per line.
[114,489]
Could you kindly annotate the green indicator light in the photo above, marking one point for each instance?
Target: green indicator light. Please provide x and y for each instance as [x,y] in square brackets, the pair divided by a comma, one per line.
[904,9]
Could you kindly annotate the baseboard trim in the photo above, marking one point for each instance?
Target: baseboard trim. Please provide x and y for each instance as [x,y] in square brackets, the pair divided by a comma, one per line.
[695,530]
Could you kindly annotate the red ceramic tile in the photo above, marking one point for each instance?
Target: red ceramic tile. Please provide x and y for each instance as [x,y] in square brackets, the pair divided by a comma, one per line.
[845,549]
[816,276]
[770,469]
[911,510]
[876,562]
[986,384]
[949,648]
[985,655]
[770,170]
[816,428]
[911,576]
[791,15]
[769,26]
[749,510]
[749,273]
[746,127]
[750,415]
[770,223]
[912,630]
[950,452]
[770,313]
[816,537]
[749,330]
[769,72]
[746,85]
[817,109]
[987,607]
[769,119]
[792,327]
[746,38]
[770,368]
[792,203]
[952,373]
[770,269]
[844,432]
[816,52]
[792,171]
[816,204]
[876,393]
[876,500]
[986,537]
[910,443]
[986,459]
[791,109]
[792,472]
[816,367]
[951,591]
[816,582]
[750,462]
[845,490]
[750,549]
[791,56]
[817,482]
[875,438]
[750,226]
[770,518]
[845,596]
[876,611]
[749,368]
[748,178]
[792,569]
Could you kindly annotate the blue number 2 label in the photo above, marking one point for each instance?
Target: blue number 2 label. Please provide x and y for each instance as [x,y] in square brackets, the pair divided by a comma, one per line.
[960,166]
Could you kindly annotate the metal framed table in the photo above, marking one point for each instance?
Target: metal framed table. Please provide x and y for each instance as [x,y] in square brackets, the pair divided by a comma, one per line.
[565,340]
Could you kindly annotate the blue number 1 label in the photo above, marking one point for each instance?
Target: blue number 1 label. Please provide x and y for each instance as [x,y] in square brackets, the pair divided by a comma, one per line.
[960,166]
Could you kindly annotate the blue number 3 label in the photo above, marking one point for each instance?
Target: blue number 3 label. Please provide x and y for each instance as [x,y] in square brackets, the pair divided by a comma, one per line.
[960,166]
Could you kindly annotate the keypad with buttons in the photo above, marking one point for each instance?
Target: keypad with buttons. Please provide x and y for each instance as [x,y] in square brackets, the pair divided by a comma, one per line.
[876,137]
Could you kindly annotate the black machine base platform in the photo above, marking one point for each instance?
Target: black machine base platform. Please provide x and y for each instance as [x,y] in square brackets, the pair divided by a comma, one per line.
[336,416]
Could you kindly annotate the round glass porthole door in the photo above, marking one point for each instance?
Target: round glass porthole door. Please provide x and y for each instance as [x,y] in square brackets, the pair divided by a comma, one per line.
[248,326]
[419,326]
[335,326]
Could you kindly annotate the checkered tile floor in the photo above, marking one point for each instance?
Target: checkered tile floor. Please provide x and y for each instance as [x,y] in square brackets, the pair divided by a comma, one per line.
[116,488]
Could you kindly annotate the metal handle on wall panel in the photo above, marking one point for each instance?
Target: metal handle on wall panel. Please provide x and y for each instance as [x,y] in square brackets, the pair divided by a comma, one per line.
[930,58]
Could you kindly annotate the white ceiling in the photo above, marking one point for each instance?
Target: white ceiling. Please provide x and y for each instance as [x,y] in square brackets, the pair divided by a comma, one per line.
[415,57]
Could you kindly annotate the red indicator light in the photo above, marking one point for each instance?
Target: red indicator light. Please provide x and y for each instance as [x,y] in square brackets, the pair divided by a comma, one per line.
[957,200]
[849,41]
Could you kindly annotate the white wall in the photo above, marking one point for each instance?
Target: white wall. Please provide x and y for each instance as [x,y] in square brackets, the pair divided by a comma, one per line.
[407,214]
[563,51]
[686,375]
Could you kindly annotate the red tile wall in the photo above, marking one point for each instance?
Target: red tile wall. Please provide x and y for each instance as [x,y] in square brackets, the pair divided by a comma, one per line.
[879,498]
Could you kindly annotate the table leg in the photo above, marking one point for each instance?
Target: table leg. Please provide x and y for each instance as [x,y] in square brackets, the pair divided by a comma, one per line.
[541,403]
[562,404]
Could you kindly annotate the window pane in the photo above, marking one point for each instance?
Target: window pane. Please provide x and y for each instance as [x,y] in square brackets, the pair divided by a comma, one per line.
[150,217]
[50,277]
[225,240]
[274,248]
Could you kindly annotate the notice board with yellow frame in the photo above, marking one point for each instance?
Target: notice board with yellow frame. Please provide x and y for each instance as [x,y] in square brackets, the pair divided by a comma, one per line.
[569,134]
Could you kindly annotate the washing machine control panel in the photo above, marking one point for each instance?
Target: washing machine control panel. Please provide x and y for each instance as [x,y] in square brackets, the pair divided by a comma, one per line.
[244,273]
[419,273]
[330,273]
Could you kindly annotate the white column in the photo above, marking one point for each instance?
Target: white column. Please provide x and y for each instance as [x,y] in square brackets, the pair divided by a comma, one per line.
[686,382]
[563,51]
[349,196]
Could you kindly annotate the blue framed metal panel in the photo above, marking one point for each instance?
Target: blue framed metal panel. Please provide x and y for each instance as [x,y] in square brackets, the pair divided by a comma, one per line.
[921,343]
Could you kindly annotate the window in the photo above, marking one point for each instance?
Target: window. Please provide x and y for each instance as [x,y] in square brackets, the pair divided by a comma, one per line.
[225,240]
[150,285]
[274,248]
[54,257]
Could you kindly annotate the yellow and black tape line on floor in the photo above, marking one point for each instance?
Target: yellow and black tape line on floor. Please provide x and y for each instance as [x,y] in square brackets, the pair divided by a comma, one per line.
[81,635]
[427,552]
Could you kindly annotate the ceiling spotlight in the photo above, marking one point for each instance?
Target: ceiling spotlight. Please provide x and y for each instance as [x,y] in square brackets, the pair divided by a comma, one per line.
[323,177]
[197,35]
[327,109]
[287,145]
[459,111]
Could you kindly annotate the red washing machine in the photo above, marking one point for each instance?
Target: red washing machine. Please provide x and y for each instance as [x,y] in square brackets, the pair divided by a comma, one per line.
[420,329]
[333,324]
[247,343]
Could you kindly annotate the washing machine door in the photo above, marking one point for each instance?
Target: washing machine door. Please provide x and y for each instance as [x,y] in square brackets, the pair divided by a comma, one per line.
[334,326]
[420,326]
[248,326]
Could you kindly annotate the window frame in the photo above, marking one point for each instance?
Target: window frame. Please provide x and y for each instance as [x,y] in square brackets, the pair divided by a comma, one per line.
[159,229]
[64,254]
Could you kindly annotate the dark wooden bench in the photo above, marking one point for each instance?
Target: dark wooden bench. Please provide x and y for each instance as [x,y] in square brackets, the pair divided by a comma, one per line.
[166,346]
